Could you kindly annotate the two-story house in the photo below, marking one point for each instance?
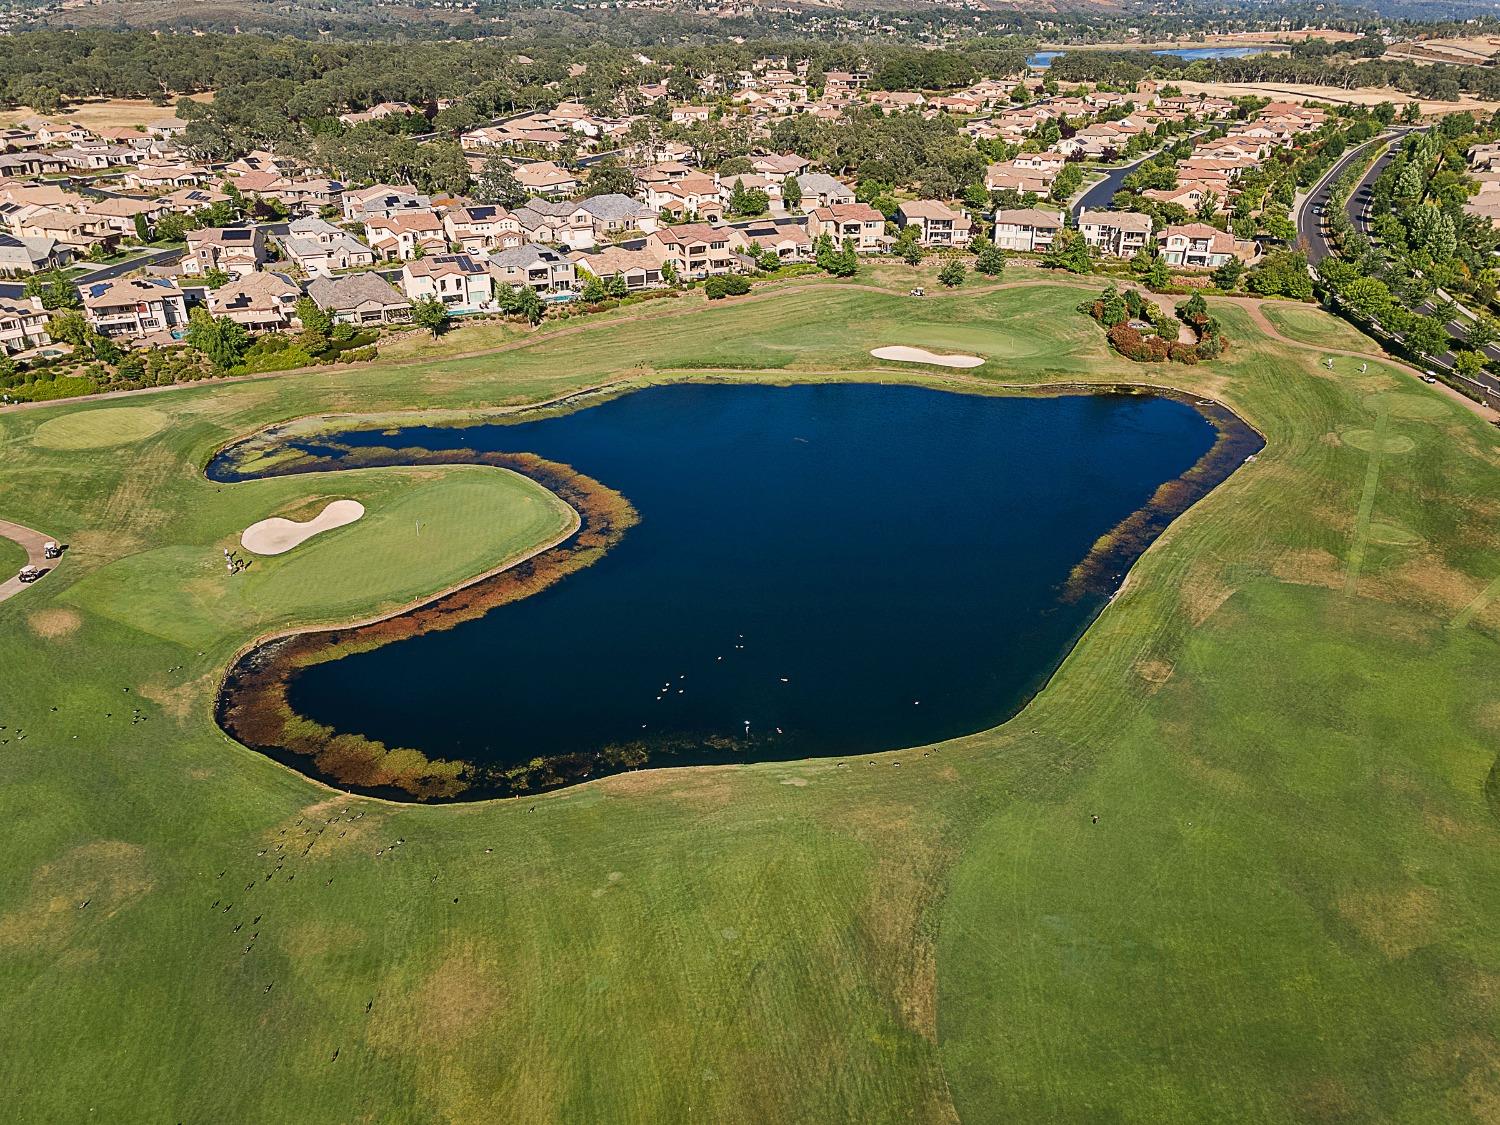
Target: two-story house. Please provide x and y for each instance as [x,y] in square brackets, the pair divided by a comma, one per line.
[397,238]
[1026,229]
[697,250]
[134,306]
[316,246]
[1200,246]
[936,223]
[235,250]
[857,222]
[459,281]
[1119,234]
[540,267]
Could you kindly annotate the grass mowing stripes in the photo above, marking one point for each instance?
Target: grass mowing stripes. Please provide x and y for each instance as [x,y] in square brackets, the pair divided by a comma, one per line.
[1287,910]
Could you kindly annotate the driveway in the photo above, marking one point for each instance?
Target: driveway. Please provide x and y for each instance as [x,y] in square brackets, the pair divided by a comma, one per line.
[32,542]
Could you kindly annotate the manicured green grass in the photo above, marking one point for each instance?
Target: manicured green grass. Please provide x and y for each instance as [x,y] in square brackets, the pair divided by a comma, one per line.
[1288,911]
[12,558]
[1309,325]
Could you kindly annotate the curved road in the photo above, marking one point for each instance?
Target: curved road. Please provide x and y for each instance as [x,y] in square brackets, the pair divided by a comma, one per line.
[31,542]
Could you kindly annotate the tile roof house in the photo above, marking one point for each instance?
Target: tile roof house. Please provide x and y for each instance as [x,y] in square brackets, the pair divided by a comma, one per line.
[235,250]
[859,222]
[547,179]
[1200,246]
[1026,229]
[381,201]
[690,197]
[399,236]
[540,267]
[819,190]
[937,224]
[262,302]
[482,228]
[459,281]
[641,269]
[23,325]
[359,299]
[316,246]
[1117,233]
[698,250]
[134,306]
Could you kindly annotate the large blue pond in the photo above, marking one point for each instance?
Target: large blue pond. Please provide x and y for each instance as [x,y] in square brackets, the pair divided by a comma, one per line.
[844,568]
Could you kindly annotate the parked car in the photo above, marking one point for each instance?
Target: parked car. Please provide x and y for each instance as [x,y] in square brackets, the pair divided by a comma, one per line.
[29,574]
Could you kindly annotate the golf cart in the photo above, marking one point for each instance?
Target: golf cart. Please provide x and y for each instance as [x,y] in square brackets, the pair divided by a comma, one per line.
[919,292]
[51,550]
[29,574]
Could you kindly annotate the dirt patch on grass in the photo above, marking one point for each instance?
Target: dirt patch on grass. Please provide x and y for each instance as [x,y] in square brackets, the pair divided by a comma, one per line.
[54,624]
[310,941]
[1395,922]
[178,701]
[1202,592]
[1427,581]
[705,786]
[1312,566]
[455,1001]
[1154,672]
[107,875]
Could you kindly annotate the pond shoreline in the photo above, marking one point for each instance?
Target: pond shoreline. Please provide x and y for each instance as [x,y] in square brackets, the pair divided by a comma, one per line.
[252,702]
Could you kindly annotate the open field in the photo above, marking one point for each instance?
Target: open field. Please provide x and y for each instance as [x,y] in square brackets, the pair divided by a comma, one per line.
[105,113]
[1286,722]
[12,558]
[1334,95]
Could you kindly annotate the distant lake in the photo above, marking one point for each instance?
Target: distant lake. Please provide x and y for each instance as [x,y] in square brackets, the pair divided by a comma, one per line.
[1041,60]
[817,570]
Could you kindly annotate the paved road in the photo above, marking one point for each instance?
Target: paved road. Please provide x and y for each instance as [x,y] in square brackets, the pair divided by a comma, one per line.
[32,542]
[1099,196]
[119,269]
[1309,216]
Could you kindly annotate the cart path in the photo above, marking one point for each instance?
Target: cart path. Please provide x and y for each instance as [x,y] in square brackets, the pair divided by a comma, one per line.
[31,542]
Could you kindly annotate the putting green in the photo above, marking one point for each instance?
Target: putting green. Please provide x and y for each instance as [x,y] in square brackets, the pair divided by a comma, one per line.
[1371,442]
[100,429]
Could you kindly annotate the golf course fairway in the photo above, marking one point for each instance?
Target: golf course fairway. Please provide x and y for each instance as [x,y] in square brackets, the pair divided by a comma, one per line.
[1286,725]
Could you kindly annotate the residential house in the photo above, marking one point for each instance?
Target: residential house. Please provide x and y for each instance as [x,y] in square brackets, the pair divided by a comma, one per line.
[119,213]
[161,176]
[787,237]
[316,246]
[1116,233]
[540,267]
[936,223]
[780,165]
[262,302]
[23,325]
[359,299]
[858,222]
[459,281]
[1010,176]
[547,179]
[235,250]
[191,200]
[379,112]
[1200,246]
[20,256]
[134,306]
[381,201]
[481,229]
[819,190]
[688,114]
[894,101]
[691,197]
[698,250]
[400,236]
[640,269]
[1026,229]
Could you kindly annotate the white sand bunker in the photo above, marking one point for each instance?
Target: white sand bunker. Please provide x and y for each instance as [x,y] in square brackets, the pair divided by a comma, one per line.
[922,355]
[276,535]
